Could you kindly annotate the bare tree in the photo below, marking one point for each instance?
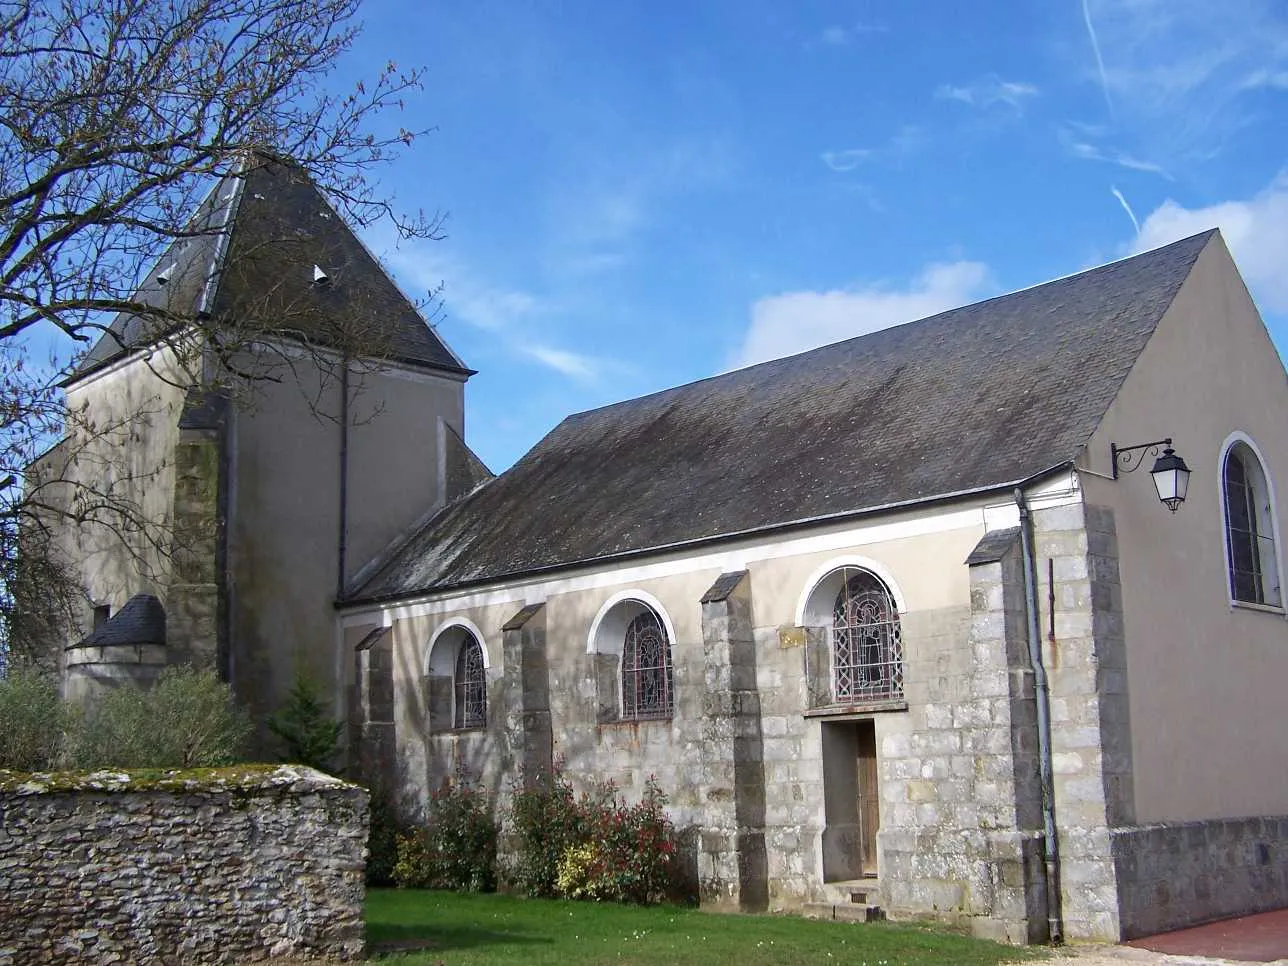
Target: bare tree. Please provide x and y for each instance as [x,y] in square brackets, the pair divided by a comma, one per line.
[117,117]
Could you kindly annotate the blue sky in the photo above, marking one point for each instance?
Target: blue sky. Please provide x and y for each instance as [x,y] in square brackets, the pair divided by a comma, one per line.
[644,194]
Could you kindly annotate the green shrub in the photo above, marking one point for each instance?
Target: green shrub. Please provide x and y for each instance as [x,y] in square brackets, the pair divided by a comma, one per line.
[456,847]
[592,846]
[34,721]
[305,727]
[382,838]
[186,720]
[547,819]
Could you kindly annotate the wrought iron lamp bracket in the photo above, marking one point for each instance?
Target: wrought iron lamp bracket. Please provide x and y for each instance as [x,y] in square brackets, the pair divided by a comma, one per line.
[1130,457]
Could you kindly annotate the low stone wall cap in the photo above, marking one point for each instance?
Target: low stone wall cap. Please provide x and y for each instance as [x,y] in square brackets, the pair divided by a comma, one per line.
[232,778]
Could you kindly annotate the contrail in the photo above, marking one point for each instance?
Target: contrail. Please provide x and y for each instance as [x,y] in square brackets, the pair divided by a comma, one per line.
[1100,64]
[1126,207]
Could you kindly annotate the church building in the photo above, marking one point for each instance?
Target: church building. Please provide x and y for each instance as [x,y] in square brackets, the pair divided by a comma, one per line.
[977,617]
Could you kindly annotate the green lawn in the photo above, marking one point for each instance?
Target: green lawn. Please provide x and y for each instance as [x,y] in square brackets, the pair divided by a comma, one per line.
[496,930]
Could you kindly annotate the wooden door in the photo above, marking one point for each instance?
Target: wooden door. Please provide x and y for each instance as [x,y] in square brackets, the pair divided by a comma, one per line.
[869,799]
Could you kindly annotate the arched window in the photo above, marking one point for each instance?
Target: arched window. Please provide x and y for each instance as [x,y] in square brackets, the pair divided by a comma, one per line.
[470,685]
[456,678]
[1249,528]
[867,649]
[647,688]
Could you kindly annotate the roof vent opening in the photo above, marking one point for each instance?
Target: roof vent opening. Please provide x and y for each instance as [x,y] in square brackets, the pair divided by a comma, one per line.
[167,273]
[320,278]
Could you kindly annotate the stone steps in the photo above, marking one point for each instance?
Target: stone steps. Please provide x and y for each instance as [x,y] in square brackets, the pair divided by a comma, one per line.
[858,900]
[845,912]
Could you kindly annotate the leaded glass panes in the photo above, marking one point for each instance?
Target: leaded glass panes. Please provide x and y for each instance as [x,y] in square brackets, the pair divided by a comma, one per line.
[867,650]
[470,682]
[1249,529]
[646,669]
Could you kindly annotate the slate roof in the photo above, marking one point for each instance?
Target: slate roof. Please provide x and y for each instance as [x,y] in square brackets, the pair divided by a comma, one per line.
[993,546]
[978,397]
[249,266]
[140,621]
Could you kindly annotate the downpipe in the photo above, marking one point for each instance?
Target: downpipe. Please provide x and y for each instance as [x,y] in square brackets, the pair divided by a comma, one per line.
[1042,697]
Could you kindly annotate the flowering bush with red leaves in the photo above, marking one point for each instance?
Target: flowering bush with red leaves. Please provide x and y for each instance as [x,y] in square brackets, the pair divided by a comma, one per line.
[592,846]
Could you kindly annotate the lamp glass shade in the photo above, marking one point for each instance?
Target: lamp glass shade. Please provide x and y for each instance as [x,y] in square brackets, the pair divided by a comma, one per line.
[1171,478]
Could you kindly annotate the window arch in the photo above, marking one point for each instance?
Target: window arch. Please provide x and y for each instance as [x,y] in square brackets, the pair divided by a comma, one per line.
[630,640]
[456,678]
[469,685]
[867,643]
[850,611]
[648,689]
[1248,503]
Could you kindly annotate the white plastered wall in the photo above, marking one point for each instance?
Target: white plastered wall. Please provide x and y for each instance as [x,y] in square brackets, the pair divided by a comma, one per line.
[285,509]
[135,404]
[1206,677]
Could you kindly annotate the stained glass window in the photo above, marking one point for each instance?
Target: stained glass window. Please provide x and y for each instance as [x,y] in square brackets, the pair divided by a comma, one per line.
[867,649]
[647,690]
[470,682]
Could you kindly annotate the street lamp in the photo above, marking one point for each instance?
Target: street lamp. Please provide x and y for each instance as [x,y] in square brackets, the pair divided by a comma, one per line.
[1171,475]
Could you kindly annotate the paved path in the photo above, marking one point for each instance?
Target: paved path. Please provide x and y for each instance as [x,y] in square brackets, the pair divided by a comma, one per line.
[1261,938]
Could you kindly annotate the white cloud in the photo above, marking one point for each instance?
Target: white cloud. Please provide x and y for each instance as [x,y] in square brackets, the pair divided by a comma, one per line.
[1090,152]
[1100,62]
[839,36]
[792,322]
[1273,79]
[505,313]
[572,364]
[988,92]
[1256,231]
[905,141]
[1176,74]
[846,160]
[1122,200]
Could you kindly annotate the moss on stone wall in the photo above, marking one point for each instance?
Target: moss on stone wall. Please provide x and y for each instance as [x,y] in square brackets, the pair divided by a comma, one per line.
[247,778]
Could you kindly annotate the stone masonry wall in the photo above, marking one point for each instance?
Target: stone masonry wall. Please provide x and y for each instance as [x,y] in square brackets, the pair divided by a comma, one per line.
[1085,656]
[1176,875]
[217,866]
[732,870]
[961,821]
[792,765]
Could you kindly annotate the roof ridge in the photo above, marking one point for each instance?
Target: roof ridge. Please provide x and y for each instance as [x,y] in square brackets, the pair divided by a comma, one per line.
[1153,252]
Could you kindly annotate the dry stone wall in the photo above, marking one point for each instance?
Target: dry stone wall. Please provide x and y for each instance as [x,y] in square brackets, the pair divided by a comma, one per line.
[215,866]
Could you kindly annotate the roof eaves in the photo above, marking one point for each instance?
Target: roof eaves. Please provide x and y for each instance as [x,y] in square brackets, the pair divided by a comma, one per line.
[840,517]
[395,547]
[124,355]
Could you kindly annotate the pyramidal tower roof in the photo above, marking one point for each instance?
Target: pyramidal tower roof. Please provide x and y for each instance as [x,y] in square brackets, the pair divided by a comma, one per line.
[269,257]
